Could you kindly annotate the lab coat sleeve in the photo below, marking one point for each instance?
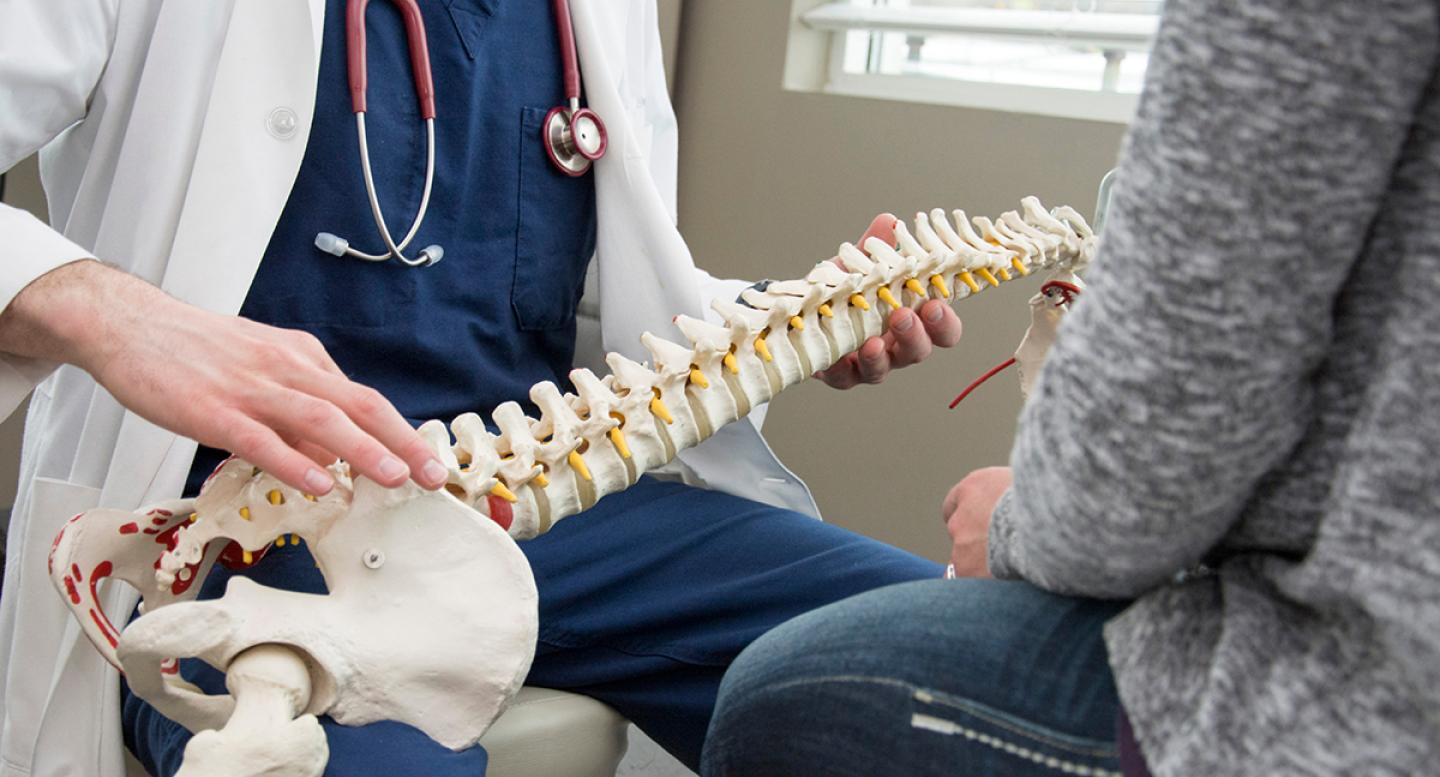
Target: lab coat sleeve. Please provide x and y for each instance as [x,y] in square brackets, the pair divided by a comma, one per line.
[659,116]
[51,56]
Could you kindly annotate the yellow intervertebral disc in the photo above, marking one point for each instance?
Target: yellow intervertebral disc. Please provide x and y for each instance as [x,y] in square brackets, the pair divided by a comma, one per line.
[969,280]
[275,497]
[578,463]
[280,541]
[540,480]
[1003,273]
[617,438]
[500,490]
[1019,266]
[885,296]
[698,378]
[859,302]
[797,323]
[826,311]
[939,284]
[658,408]
[763,349]
[245,513]
[732,364]
[915,288]
[988,276]
[247,556]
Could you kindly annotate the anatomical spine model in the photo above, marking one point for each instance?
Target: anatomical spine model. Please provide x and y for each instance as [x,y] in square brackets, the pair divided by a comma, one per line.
[430,618]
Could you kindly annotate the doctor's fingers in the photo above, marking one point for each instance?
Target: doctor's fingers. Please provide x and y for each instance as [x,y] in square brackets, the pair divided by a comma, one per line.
[262,446]
[869,364]
[324,419]
[311,451]
[376,416]
[941,323]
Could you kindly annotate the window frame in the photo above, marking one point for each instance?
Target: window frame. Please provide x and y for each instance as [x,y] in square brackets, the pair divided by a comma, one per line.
[822,30]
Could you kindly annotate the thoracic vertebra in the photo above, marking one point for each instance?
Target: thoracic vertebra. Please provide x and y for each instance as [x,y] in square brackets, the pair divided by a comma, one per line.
[615,428]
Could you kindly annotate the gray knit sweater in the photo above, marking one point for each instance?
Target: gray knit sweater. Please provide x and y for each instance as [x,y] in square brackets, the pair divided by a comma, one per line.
[1252,382]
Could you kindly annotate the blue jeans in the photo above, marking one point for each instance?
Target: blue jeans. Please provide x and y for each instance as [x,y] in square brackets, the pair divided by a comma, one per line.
[942,677]
[645,599]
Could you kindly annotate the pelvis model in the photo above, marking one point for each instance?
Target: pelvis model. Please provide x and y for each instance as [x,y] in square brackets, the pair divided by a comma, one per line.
[430,618]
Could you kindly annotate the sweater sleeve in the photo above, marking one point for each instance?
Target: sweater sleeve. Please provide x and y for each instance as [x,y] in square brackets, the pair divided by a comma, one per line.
[1258,160]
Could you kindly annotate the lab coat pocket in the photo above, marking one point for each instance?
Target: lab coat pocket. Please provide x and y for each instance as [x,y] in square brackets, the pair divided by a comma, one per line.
[555,234]
[39,617]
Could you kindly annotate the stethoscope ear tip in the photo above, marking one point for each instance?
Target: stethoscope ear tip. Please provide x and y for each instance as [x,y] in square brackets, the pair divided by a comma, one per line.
[331,244]
[432,254]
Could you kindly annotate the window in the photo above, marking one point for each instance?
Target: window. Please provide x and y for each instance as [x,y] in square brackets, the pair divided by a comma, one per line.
[1074,58]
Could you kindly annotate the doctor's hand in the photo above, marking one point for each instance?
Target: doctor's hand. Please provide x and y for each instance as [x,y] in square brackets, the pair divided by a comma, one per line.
[909,340]
[272,396]
[966,510]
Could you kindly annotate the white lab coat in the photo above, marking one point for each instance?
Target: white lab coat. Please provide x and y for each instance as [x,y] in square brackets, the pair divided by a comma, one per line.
[165,150]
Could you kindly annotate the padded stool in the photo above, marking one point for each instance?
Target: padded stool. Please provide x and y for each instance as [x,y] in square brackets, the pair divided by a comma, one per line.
[547,733]
[543,733]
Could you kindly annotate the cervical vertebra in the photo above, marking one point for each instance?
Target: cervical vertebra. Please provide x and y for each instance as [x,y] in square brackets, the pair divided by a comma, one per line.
[431,615]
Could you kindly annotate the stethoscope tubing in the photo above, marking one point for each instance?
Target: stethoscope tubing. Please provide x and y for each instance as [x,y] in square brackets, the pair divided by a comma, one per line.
[574,138]
[396,251]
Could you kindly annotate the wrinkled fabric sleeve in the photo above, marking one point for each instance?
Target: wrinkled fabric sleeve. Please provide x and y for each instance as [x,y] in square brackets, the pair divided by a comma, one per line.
[1259,157]
[51,57]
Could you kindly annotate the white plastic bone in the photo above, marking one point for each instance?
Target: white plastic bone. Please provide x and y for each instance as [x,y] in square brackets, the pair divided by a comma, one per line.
[267,733]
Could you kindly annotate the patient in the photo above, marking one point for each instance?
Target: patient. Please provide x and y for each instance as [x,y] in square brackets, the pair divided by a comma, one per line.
[1220,550]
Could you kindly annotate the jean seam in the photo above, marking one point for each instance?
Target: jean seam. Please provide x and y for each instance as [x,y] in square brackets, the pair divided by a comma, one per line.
[916,691]
[924,723]
[983,712]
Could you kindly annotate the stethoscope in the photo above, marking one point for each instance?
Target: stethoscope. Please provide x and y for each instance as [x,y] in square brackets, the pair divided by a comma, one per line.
[574,137]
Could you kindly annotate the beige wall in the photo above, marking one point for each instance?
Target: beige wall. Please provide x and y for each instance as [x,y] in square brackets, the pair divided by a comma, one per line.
[771,181]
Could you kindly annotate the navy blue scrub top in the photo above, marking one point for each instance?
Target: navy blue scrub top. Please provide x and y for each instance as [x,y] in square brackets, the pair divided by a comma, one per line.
[498,313]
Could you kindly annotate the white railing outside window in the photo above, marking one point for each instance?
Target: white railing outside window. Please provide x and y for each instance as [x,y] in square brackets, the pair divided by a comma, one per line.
[1073,58]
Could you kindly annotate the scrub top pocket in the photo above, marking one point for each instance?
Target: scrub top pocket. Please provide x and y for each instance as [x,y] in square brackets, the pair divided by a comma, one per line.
[555,234]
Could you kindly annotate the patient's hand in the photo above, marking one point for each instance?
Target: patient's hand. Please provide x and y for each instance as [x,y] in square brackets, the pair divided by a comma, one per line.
[966,511]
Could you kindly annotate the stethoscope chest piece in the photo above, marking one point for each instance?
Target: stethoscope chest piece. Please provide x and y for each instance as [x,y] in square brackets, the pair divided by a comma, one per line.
[574,139]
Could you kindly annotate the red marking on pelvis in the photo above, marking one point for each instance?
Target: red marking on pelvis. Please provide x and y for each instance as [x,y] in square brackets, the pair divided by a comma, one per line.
[130,528]
[500,511]
[105,627]
[102,571]
[160,512]
[75,570]
[170,666]
[71,590]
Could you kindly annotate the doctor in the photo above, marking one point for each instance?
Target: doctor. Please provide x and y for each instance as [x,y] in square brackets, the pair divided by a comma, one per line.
[200,147]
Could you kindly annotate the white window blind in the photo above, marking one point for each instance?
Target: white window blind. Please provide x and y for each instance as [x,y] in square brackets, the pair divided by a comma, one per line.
[1074,58]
